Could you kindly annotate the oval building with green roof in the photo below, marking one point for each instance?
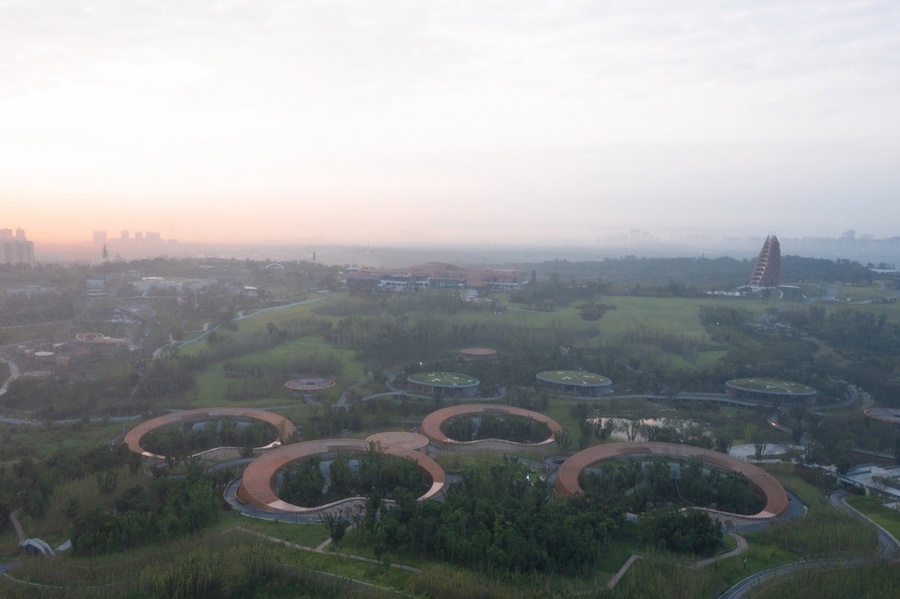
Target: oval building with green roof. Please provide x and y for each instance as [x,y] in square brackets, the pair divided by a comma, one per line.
[443,384]
[573,382]
[763,389]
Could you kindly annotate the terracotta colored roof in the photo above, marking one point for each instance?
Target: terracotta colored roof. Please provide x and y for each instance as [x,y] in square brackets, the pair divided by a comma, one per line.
[257,487]
[134,437]
[775,496]
[431,425]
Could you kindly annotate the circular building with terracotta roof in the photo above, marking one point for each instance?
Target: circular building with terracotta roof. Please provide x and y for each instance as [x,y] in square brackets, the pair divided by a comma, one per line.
[478,354]
[764,484]
[283,428]
[258,484]
[573,382]
[443,384]
[432,427]
[308,385]
[763,389]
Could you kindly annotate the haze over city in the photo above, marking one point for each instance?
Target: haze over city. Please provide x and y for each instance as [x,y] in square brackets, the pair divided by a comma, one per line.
[448,122]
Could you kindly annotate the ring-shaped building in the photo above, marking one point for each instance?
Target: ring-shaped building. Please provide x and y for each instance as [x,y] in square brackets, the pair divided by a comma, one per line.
[776,499]
[257,488]
[433,423]
[283,427]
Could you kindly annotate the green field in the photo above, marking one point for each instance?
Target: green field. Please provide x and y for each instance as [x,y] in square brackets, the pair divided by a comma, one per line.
[875,508]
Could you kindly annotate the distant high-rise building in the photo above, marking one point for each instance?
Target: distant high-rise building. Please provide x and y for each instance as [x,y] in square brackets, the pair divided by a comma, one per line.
[125,234]
[15,250]
[99,237]
[139,235]
[767,268]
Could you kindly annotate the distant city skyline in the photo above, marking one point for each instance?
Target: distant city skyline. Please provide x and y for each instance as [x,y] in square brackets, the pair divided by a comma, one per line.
[126,245]
[445,122]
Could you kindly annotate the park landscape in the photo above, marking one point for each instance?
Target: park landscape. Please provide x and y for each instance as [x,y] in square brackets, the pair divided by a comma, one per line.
[143,527]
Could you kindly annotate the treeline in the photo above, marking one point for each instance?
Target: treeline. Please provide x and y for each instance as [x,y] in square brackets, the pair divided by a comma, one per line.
[222,346]
[689,274]
[385,341]
[649,271]
[169,509]
[868,343]
[395,304]
[551,293]
[20,308]
[377,474]
[54,399]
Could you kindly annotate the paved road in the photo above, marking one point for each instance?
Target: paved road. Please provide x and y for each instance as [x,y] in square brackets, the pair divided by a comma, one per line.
[888,545]
[13,374]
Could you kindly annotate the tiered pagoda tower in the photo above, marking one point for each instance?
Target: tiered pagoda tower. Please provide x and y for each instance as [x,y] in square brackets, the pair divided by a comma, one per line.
[767,268]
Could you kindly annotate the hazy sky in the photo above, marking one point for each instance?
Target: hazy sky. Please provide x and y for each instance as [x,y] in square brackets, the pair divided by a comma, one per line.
[420,121]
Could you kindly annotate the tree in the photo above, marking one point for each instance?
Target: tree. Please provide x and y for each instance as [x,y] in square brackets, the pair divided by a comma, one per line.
[563,440]
[336,525]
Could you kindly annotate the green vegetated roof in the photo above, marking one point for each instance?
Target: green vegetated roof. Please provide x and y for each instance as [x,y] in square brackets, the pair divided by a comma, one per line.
[573,377]
[444,379]
[771,386]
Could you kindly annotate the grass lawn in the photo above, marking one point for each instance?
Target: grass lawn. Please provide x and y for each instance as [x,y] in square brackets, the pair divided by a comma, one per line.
[874,508]
[808,494]
[308,535]
[759,556]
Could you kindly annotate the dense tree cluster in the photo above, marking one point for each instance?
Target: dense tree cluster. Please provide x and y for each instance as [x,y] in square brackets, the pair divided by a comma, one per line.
[50,306]
[687,531]
[180,440]
[56,399]
[30,482]
[727,491]
[868,343]
[635,486]
[519,429]
[498,518]
[373,473]
[170,508]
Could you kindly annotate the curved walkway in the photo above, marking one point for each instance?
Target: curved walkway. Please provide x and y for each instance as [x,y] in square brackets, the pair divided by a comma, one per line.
[257,485]
[888,548]
[742,546]
[775,496]
[135,436]
[431,426]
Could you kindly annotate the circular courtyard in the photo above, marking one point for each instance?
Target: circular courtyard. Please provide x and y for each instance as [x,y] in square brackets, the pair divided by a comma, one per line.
[284,428]
[433,427]
[258,485]
[776,499]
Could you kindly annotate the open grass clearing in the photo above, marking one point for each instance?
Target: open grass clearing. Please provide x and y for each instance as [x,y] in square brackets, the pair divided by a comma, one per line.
[874,508]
